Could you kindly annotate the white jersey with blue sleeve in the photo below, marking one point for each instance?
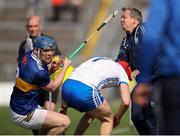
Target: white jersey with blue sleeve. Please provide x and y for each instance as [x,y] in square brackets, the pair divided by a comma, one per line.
[100,72]
[82,89]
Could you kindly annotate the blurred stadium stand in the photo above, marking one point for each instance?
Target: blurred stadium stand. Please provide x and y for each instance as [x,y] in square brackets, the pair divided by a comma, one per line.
[13,15]
[12,30]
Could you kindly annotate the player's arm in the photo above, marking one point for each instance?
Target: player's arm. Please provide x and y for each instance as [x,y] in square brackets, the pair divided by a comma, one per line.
[53,85]
[125,102]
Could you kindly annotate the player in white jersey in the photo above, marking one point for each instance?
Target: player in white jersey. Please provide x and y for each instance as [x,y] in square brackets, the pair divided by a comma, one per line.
[81,91]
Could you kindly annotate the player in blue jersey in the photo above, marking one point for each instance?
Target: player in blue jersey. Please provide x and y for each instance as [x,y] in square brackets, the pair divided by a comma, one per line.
[81,91]
[32,76]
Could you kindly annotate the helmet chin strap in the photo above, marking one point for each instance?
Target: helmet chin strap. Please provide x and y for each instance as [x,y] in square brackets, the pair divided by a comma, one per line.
[38,53]
[38,57]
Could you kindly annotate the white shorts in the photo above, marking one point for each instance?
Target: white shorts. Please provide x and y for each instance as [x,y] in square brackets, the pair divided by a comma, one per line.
[34,120]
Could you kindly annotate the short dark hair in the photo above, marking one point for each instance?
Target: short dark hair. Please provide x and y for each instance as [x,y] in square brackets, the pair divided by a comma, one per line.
[135,13]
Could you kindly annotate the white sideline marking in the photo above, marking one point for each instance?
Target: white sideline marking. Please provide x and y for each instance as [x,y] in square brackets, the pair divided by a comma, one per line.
[121,130]
[6,89]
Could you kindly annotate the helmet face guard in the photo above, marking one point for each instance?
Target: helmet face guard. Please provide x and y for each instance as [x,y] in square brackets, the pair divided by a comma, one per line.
[43,43]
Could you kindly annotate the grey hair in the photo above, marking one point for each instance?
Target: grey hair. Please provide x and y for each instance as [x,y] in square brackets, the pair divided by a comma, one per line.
[134,13]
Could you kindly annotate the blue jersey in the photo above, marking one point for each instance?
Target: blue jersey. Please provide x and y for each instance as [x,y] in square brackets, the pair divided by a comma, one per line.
[161,40]
[129,49]
[31,75]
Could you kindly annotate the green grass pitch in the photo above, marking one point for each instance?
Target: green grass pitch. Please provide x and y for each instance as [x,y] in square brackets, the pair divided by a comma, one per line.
[7,127]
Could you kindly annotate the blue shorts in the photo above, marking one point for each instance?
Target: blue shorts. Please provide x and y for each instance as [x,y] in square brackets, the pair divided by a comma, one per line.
[81,96]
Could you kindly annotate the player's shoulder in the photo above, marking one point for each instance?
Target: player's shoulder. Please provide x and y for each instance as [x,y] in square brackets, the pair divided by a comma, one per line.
[140,28]
[33,64]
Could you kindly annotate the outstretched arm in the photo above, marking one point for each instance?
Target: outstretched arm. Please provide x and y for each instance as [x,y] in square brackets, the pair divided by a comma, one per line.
[53,85]
[125,101]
